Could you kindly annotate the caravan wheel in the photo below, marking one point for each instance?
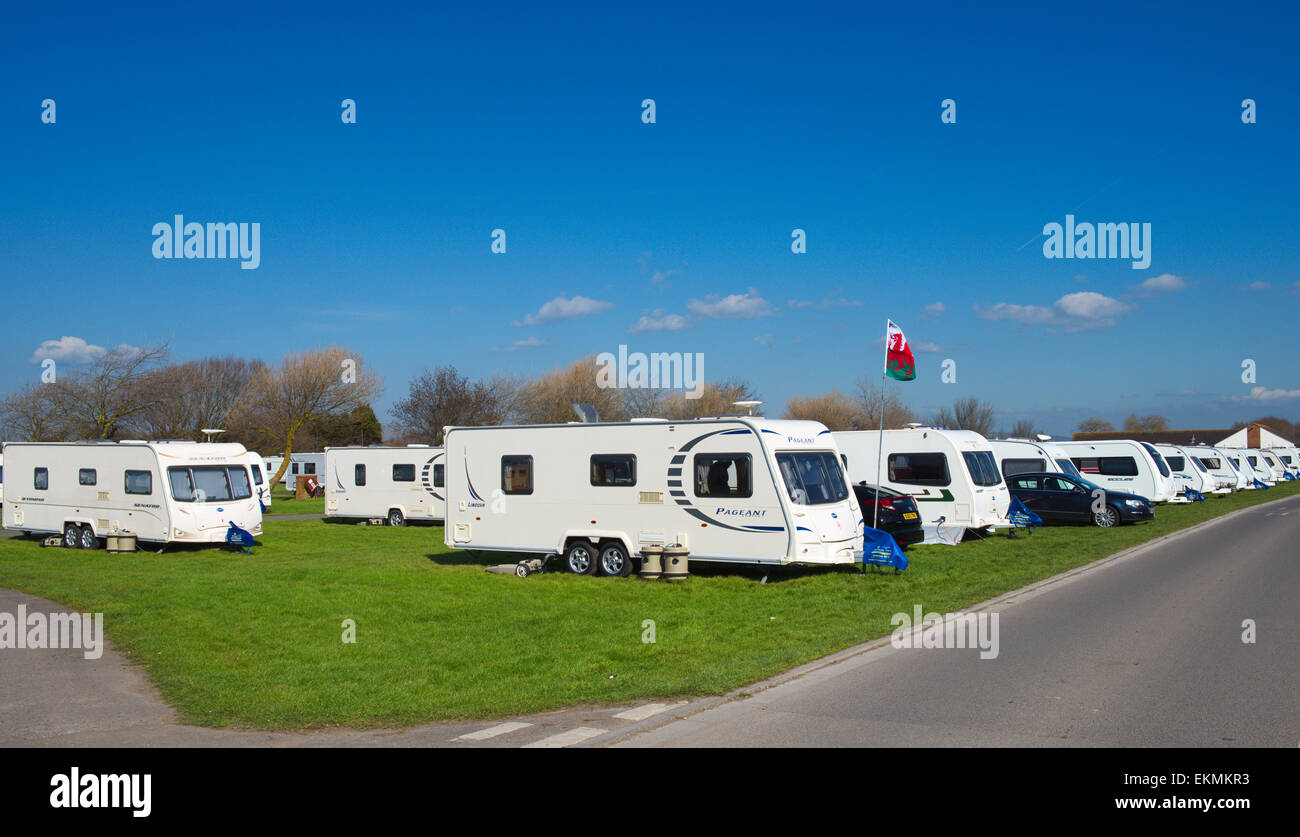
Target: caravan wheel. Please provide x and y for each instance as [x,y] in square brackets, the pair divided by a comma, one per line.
[614,561]
[71,536]
[395,518]
[580,558]
[88,540]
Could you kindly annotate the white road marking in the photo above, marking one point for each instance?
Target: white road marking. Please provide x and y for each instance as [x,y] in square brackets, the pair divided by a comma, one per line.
[568,738]
[640,713]
[492,732]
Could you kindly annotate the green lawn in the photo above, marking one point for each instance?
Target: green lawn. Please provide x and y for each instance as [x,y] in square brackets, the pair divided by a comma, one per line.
[283,502]
[255,640]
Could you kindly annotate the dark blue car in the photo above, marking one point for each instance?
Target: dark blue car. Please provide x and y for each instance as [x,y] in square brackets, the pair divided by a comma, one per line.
[1060,498]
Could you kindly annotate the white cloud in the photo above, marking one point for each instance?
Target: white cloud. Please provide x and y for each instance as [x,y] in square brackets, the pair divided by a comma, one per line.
[1259,286]
[768,340]
[657,320]
[70,350]
[933,310]
[744,306]
[529,342]
[661,275]
[826,304]
[1265,394]
[1081,311]
[561,308]
[1156,285]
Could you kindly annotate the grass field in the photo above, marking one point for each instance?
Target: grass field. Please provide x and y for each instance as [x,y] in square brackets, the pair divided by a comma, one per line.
[255,641]
[283,502]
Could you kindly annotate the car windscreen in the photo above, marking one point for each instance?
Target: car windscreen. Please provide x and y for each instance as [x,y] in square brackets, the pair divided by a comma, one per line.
[983,467]
[812,478]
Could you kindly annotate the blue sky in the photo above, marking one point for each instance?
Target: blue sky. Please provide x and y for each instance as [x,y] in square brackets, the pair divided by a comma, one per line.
[376,235]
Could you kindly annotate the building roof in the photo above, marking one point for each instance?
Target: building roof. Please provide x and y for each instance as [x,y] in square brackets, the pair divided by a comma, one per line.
[1177,437]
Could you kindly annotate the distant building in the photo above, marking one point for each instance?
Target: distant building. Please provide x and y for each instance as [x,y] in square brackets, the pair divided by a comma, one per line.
[1250,436]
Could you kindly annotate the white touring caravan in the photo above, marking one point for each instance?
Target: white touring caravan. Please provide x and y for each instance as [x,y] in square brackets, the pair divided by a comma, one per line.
[1019,456]
[261,478]
[301,465]
[732,489]
[163,492]
[1226,476]
[1125,465]
[1189,471]
[952,474]
[1270,462]
[1250,473]
[1290,459]
[397,484]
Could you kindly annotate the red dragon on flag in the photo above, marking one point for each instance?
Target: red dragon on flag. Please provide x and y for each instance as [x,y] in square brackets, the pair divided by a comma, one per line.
[899,363]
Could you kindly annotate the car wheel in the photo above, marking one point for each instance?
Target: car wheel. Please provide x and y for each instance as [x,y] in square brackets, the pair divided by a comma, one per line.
[395,518]
[1107,517]
[614,560]
[71,536]
[88,540]
[580,558]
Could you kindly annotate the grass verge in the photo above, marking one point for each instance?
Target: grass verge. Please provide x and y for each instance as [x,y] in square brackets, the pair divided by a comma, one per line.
[255,641]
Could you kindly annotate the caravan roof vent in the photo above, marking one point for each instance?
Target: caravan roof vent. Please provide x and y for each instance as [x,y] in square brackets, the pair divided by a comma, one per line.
[587,413]
[648,419]
[1043,437]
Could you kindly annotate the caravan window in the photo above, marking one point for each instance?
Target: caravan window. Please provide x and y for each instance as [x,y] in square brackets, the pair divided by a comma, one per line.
[517,474]
[209,483]
[919,468]
[309,467]
[139,482]
[812,478]
[613,469]
[1254,463]
[1110,466]
[403,473]
[1011,467]
[41,479]
[1177,463]
[439,476]
[1160,460]
[983,467]
[257,474]
[293,466]
[1211,462]
[87,476]
[1196,463]
[359,475]
[723,475]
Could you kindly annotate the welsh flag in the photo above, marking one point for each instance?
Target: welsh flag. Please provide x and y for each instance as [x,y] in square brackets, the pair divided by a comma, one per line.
[899,364]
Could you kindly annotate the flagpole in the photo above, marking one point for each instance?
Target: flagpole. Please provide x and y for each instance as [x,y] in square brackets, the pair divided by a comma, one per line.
[880,441]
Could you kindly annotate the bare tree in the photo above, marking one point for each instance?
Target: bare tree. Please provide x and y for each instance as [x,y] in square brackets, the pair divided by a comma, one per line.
[443,397]
[307,387]
[1095,425]
[1148,422]
[967,414]
[872,401]
[715,400]
[834,409]
[550,398]
[1024,429]
[99,400]
[32,415]
[196,395]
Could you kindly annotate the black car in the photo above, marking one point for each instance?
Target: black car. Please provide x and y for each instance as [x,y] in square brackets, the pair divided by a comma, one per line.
[1060,498]
[898,514]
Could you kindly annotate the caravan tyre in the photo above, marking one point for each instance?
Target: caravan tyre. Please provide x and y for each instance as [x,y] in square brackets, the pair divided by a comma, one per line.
[71,536]
[88,540]
[395,518]
[1107,517]
[580,558]
[614,560]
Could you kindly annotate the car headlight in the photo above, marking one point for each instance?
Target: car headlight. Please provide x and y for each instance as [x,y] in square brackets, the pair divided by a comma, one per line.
[1135,504]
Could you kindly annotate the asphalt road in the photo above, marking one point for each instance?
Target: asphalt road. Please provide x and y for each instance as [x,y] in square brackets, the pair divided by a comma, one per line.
[1144,651]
